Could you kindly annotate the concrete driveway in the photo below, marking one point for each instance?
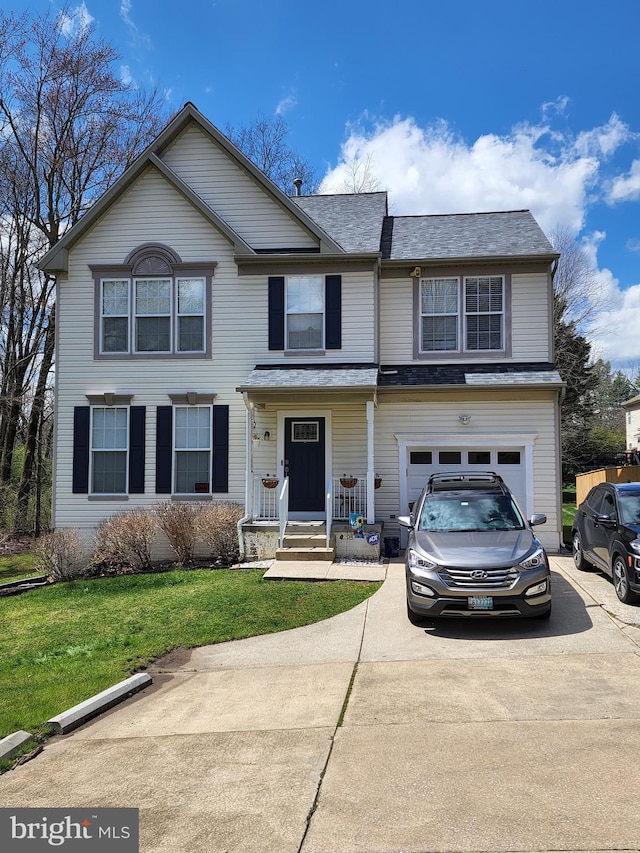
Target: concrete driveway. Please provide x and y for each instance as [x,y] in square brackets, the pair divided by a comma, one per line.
[365,733]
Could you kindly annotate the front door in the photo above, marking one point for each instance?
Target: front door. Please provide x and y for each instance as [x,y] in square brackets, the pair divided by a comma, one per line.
[304,464]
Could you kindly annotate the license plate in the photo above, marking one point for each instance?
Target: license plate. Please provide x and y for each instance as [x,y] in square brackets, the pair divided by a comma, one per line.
[480,602]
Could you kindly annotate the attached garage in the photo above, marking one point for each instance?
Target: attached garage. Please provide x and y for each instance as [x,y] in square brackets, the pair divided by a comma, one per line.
[509,461]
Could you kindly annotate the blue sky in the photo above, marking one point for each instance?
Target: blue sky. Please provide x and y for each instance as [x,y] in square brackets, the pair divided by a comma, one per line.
[492,105]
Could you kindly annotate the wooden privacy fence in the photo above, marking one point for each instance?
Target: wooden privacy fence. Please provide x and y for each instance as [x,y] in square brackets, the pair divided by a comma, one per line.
[621,474]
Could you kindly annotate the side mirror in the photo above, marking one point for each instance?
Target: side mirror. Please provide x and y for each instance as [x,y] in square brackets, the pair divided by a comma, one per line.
[405,521]
[605,520]
[538,518]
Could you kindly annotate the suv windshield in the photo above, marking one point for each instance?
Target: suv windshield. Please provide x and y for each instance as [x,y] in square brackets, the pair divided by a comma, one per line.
[469,511]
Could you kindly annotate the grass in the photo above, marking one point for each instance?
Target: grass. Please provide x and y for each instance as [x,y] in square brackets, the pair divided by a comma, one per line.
[64,643]
[17,566]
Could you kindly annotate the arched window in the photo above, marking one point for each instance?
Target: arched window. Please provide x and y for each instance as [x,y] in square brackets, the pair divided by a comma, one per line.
[153,306]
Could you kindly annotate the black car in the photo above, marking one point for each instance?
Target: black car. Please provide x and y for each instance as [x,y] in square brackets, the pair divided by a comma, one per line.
[606,534]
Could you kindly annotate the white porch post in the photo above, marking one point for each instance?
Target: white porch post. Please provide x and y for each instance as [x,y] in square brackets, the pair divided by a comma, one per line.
[371,510]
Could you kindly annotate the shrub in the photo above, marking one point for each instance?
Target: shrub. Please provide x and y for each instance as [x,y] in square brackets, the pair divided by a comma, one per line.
[59,555]
[217,528]
[125,540]
[178,522]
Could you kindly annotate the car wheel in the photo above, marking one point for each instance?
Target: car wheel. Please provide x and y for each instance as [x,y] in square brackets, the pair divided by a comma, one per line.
[578,557]
[621,581]
[415,618]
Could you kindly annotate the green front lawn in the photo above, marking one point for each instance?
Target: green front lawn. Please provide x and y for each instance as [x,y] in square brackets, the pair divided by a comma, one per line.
[64,643]
[17,566]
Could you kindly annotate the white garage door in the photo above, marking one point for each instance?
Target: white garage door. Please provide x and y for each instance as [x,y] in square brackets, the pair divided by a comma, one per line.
[509,463]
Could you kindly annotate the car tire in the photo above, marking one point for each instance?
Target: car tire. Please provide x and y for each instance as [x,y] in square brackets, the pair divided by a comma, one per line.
[578,556]
[415,618]
[621,581]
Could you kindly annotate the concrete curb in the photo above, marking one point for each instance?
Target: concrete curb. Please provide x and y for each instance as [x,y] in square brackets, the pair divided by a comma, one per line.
[79,714]
[10,744]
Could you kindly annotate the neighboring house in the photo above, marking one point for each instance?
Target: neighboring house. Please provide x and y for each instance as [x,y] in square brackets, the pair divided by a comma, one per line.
[632,427]
[216,335]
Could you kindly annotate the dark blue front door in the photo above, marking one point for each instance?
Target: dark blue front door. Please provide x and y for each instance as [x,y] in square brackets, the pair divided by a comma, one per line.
[305,463]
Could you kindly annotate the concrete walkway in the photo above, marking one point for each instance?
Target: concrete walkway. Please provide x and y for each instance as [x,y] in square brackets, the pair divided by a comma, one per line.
[365,733]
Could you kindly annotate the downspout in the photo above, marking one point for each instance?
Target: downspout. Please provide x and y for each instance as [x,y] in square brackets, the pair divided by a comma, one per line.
[371,515]
[248,486]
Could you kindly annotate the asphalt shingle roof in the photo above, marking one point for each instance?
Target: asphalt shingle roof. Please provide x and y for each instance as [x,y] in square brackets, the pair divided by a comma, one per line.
[358,222]
[272,377]
[353,220]
[517,373]
[368,376]
[466,235]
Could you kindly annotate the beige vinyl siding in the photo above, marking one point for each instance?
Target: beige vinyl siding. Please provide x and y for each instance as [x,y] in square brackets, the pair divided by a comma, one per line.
[530,338]
[530,313]
[491,414]
[348,436]
[632,426]
[396,321]
[233,194]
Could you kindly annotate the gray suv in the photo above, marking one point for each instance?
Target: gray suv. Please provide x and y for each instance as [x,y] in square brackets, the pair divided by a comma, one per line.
[471,553]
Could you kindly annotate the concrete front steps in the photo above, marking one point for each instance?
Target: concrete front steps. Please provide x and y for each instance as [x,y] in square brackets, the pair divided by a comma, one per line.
[306,542]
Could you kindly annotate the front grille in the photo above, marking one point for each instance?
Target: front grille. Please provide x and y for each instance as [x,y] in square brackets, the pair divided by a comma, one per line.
[502,578]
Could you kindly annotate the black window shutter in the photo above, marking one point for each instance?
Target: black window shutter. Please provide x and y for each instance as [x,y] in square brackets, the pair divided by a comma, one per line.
[333,312]
[276,312]
[80,479]
[164,420]
[220,462]
[136,449]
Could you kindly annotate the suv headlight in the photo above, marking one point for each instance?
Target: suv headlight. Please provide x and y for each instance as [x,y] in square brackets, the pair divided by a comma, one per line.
[420,565]
[635,546]
[535,560]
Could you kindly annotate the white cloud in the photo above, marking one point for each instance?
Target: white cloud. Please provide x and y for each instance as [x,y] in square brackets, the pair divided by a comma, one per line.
[627,187]
[286,104]
[75,20]
[433,170]
[125,75]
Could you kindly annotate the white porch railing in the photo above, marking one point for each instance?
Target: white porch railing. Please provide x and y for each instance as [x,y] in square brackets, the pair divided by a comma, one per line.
[283,507]
[270,502]
[349,495]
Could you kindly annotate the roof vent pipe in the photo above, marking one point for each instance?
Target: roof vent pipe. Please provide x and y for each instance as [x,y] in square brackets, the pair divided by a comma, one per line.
[297,184]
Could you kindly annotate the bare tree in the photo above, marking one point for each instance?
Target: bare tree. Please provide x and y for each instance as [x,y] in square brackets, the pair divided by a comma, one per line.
[360,176]
[265,143]
[68,128]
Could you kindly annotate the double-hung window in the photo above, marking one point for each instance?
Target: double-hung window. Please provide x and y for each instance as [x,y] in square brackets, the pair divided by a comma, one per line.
[462,314]
[153,305]
[109,449]
[305,312]
[192,448]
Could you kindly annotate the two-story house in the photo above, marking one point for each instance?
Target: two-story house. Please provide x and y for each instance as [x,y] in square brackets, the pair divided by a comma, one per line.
[312,357]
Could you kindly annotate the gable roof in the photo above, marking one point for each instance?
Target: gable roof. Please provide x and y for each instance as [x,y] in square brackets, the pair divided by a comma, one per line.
[504,234]
[56,258]
[354,220]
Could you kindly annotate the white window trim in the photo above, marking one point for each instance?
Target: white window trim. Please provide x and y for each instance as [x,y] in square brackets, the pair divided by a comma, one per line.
[177,314]
[175,450]
[466,314]
[323,314]
[135,316]
[93,450]
[461,324]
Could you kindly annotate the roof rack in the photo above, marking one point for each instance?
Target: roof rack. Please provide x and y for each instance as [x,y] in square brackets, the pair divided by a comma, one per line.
[468,479]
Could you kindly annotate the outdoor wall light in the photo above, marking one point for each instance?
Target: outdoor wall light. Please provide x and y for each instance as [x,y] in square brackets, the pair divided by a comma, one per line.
[267,435]
[465,420]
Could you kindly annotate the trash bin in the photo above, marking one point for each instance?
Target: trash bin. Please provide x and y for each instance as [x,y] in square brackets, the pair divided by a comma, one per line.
[391,546]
